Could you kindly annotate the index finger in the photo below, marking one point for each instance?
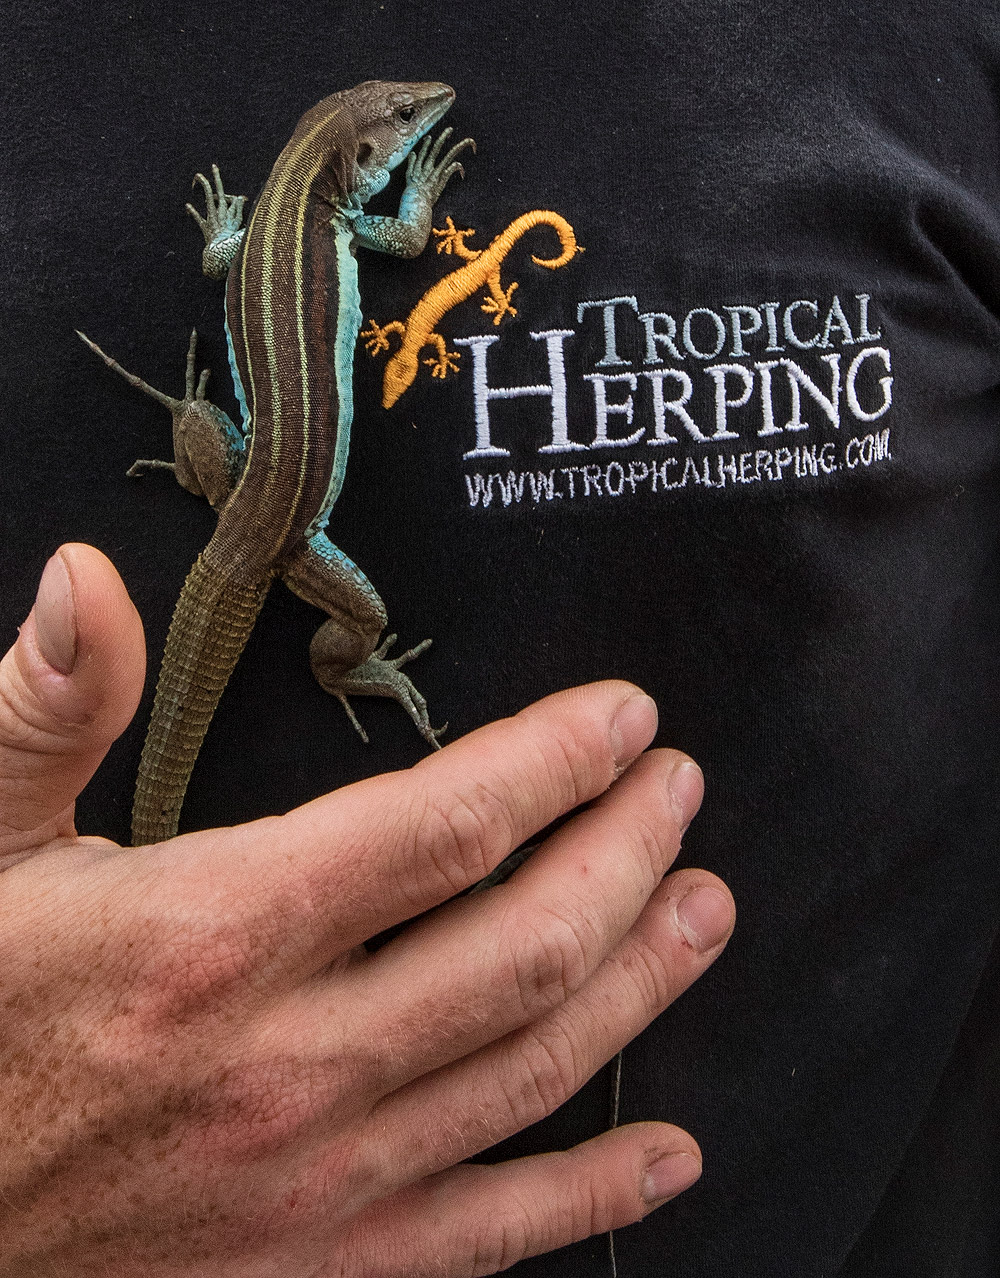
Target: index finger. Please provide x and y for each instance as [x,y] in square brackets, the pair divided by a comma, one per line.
[348,865]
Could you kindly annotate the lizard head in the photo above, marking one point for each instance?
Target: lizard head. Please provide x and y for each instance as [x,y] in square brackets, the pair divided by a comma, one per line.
[390,119]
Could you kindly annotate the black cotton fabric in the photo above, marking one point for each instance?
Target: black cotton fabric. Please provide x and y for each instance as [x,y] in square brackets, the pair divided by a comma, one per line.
[792,236]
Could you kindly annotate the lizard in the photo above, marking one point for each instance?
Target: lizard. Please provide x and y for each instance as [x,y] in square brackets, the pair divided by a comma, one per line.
[482,267]
[292,320]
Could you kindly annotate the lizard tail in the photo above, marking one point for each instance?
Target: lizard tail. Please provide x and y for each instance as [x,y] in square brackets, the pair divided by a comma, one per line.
[211,624]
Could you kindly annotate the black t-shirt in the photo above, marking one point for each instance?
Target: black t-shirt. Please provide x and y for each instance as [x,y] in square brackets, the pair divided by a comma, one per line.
[742,450]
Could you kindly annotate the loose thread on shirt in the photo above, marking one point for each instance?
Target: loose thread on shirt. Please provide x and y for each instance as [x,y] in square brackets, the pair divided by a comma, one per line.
[616,1092]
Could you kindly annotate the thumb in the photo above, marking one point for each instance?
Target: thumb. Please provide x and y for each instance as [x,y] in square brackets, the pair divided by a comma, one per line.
[68,687]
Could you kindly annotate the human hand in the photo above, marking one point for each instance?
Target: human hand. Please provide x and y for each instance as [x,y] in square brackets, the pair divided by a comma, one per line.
[203,1072]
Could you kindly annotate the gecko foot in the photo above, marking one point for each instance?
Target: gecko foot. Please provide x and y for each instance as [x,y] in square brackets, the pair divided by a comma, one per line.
[498,303]
[445,361]
[380,676]
[452,240]
[376,338]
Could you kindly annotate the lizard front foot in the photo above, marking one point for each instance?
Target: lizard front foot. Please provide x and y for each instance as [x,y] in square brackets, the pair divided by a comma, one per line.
[428,173]
[220,226]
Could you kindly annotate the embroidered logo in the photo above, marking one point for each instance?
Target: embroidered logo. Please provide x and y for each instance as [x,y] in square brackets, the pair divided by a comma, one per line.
[719,399]
[482,268]
[717,395]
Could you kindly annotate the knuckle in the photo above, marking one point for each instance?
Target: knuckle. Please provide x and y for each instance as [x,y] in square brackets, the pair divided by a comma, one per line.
[551,1074]
[549,963]
[500,1245]
[598,1202]
[27,726]
[654,836]
[648,975]
[455,836]
[572,767]
[579,1208]
[589,1212]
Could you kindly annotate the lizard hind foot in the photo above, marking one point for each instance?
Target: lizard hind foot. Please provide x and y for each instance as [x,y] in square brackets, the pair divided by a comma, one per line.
[380,676]
[168,401]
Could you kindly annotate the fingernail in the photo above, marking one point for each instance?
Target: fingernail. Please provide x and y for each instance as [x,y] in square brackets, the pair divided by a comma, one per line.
[633,728]
[669,1176]
[704,917]
[55,616]
[687,788]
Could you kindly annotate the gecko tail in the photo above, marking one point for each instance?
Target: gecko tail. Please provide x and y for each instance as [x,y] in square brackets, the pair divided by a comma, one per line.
[212,621]
[567,238]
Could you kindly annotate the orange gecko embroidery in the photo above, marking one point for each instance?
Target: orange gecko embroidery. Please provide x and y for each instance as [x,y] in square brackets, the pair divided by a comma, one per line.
[482,267]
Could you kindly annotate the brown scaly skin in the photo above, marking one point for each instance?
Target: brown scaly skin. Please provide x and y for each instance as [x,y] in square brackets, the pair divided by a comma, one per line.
[293,319]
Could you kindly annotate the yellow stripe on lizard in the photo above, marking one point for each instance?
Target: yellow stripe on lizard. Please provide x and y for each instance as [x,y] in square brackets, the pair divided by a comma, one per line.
[481,268]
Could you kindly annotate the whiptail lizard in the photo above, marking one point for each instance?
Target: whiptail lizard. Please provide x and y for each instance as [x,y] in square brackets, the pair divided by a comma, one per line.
[292,320]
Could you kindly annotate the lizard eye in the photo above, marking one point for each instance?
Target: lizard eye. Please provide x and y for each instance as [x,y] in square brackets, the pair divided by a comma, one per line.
[407,113]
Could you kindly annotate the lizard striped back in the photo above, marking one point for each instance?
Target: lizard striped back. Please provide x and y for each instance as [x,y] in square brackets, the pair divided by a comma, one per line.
[293,313]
